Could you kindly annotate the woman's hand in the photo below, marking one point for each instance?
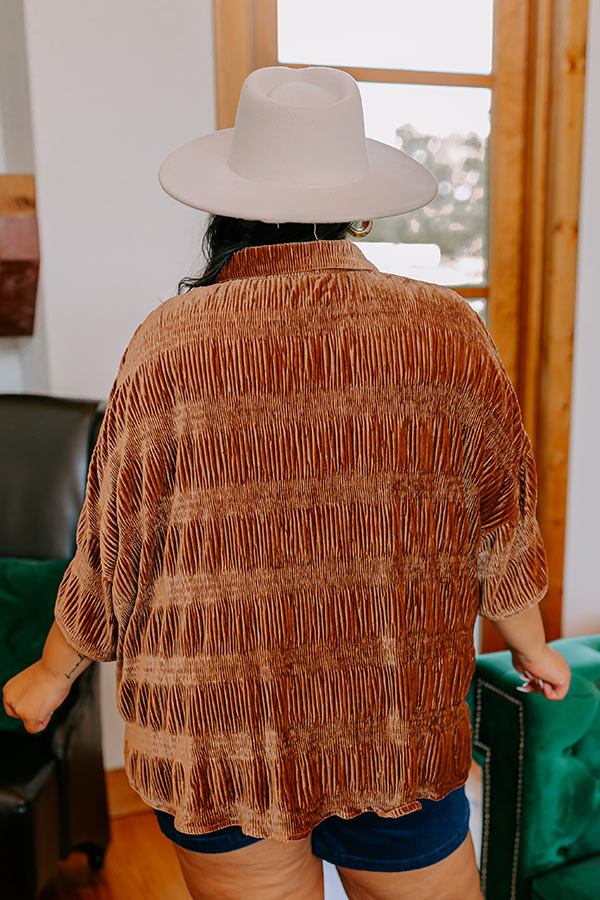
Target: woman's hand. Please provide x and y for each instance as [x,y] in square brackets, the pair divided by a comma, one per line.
[548,671]
[33,694]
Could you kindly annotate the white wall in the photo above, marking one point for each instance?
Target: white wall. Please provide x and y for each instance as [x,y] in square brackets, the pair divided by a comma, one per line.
[22,359]
[581,605]
[114,88]
[130,81]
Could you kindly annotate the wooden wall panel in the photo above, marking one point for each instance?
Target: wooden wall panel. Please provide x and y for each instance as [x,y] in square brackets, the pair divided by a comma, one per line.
[19,255]
[559,276]
[232,21]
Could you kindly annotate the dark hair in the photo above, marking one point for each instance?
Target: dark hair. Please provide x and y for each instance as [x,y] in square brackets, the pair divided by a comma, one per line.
[225,235]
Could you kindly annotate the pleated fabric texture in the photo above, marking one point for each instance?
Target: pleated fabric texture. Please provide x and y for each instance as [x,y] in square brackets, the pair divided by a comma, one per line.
[310,478]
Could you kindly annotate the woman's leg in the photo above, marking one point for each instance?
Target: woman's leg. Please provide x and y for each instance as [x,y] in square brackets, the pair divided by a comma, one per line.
[454,878]
[269,870]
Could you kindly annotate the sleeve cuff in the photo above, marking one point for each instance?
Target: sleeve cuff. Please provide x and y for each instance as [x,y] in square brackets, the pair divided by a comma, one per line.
[80,645]
[517,608]
[81,613]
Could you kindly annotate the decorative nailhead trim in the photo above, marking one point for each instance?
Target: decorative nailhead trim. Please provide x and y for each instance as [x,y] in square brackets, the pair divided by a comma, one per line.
[485,814]
[486,786]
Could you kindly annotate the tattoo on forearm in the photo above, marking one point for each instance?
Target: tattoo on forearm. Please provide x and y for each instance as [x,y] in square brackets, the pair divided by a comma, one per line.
[76,666]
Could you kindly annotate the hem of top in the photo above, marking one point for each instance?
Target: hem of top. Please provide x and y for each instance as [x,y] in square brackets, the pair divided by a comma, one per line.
[280,836]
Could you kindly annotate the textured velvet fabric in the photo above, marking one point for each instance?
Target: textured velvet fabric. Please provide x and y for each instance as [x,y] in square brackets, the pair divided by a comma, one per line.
[310,478]
[579,881]
[27,595]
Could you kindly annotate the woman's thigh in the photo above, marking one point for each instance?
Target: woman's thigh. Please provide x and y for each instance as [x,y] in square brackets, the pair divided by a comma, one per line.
[268,869]
[455,877]
[426,854]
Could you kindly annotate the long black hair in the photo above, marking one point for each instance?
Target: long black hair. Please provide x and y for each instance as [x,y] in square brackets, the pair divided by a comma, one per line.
[224,235]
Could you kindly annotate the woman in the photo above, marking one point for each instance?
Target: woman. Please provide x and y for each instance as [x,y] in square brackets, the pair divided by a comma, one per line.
[310,479]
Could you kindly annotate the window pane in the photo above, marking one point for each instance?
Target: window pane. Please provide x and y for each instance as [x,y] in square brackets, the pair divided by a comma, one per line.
[433,35]
[446,129]
[479,304]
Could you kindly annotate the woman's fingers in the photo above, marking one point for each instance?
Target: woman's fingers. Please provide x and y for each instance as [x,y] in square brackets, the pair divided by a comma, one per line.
[539,686]
[533,685]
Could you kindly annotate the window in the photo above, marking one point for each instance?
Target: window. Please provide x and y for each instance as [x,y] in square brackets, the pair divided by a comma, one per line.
[444,126]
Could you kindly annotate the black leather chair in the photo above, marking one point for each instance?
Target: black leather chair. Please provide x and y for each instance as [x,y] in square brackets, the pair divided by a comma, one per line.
[52,786]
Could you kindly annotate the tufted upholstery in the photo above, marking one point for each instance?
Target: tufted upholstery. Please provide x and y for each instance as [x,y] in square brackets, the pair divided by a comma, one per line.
[541,778]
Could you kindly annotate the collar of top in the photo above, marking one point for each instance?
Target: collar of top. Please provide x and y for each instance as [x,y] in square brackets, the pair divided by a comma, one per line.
[296,256]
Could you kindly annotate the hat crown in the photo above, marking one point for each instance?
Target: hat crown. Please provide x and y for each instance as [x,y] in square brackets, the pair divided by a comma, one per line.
[298,153]
[302,127]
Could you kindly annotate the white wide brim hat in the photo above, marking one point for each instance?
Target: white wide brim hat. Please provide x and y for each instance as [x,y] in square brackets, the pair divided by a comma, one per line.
[297,153]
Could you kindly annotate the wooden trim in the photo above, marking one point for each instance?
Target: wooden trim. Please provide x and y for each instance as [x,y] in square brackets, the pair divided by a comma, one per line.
[507,201]
[17,195]
[535,214]
[19,255]
[232,26]
[408,76]
[477,291]
[559,275]
[507,177]
[558,33]
[420,76]
[264,43]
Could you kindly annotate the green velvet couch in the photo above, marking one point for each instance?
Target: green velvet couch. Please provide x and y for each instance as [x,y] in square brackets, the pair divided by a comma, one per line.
[540,764]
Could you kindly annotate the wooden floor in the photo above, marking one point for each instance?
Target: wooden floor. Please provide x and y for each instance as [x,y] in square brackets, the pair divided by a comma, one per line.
[141,863]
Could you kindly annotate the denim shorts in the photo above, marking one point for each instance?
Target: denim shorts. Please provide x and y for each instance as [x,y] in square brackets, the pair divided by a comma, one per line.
[368,842]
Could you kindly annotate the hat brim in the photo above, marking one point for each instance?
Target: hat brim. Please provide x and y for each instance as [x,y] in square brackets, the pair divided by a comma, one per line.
[197,174]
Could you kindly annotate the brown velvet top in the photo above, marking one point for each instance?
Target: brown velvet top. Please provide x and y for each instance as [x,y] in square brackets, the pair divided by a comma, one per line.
[310,478]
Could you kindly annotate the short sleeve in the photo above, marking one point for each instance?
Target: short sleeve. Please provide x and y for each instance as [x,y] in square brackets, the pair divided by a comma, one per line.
[512,565]
[83,610]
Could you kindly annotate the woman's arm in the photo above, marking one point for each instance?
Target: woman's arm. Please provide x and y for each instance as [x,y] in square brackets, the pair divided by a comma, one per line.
[60,659]
[523,633]
[547,669]
[33,694]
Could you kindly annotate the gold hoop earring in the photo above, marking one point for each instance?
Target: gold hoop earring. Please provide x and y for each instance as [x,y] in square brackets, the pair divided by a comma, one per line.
[367,224]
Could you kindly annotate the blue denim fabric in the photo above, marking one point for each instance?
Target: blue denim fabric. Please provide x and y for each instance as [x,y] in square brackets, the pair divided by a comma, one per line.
[367,842]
